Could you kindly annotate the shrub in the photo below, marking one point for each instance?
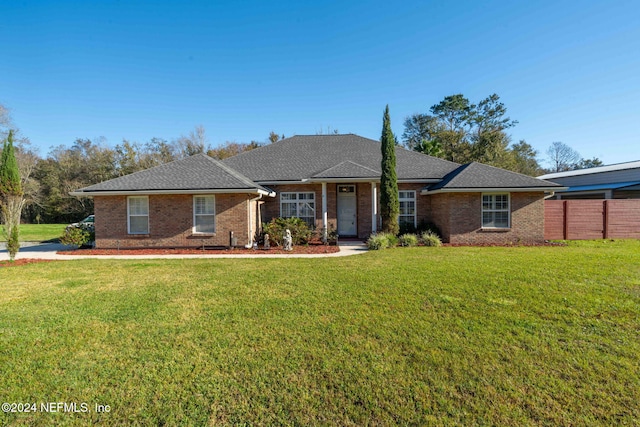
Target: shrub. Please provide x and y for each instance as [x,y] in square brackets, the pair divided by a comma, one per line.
[300,231]
[393,240]
[13,243]
[408,240]
[429,238]
[382,241]
[332,235]
[76,237]
[378,241]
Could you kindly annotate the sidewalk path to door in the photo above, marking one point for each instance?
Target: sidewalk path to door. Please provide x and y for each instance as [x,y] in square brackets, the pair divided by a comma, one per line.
[50,251]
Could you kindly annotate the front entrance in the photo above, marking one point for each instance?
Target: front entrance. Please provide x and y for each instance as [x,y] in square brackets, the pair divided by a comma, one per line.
[347,205]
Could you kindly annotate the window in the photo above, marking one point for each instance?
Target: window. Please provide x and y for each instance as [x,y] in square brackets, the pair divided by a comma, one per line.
[301,205]
[138,214]
[204,214]
[407,217]
[495,211]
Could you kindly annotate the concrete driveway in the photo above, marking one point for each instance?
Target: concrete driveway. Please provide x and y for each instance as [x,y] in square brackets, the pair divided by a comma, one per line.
[49,251]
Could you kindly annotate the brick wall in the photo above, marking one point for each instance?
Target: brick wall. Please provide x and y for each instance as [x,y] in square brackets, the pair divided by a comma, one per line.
[363,194]
[440,215]
[459,217]
[170,222]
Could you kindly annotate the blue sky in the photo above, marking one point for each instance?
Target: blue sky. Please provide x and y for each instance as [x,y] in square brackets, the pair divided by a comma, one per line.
[566,70]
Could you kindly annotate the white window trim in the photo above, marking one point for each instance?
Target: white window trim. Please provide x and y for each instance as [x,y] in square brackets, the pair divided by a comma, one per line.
[129,214]
[415,205]
[193,229]
[508,210]
[297,201]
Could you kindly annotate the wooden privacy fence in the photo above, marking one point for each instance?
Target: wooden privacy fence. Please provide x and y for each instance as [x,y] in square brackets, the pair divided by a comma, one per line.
[591,219]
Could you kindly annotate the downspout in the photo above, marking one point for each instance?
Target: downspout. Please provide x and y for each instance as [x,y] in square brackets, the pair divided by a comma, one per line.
[249,234]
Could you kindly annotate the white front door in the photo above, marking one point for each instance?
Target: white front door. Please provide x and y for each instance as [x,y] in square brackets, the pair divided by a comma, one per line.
[347,204]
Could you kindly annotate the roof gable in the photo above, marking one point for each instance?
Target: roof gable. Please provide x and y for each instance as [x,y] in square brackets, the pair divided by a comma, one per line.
[198,172]
[303,157]
[348,169]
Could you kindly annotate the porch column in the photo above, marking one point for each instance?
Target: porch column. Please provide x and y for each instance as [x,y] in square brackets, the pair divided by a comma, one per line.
[325,221]
[374,208]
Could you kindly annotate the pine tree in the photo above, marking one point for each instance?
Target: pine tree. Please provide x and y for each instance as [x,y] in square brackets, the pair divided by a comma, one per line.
[389,204]
[11,196]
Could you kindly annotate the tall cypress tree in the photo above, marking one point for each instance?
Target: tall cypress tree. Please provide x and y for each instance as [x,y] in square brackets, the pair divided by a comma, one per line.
[11,200]
[389,204]
[9,172]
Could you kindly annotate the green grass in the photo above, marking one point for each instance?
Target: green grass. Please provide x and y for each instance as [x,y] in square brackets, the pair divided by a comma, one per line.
[38,232]
[422,336]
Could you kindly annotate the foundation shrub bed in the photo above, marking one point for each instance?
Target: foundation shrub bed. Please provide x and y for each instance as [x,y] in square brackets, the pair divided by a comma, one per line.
[301,233]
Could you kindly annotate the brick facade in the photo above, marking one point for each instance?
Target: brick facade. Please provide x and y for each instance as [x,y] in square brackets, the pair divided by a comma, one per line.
[271,208]
[171,222]
[459,217]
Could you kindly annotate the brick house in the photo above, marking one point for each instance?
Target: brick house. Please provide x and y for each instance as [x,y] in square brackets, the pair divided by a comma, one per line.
[330,181]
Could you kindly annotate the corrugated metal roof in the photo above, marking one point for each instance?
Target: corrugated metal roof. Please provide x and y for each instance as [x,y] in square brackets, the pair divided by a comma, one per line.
[589,171]
[615,186]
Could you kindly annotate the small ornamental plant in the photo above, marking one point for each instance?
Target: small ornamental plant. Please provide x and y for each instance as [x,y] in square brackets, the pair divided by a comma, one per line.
[429,238]
[408,240]
[75,236]
[381,241]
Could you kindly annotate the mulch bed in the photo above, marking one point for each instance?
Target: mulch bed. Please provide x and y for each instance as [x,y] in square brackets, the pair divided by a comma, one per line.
[310,249]
[22,261]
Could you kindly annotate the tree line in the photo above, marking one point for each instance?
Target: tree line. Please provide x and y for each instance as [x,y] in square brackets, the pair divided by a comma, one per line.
[454,129]
[47,181]
[457,130]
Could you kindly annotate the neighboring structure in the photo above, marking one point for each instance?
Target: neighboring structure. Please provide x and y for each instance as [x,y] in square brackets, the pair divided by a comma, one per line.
[330,181]
[619,181]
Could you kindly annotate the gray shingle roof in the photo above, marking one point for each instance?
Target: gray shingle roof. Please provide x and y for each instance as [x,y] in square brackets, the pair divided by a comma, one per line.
[308,156]
[348,169]
[199,172]
[478,175]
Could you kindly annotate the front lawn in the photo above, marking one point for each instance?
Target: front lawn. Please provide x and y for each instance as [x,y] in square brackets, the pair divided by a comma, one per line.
[422,336]
[38,232]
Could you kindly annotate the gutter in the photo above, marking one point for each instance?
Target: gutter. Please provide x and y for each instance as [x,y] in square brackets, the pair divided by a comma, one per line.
[491,189]
[249,244]
[151,192]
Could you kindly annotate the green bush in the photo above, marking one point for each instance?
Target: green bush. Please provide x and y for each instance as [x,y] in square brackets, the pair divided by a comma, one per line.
[300,231]
[382,241]
[13,243]
[408,240]
[429,238]
[377,241]
[76,237]
[393,240]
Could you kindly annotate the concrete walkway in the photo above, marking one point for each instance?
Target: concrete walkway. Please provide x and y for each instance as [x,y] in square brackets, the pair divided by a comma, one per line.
[49,251]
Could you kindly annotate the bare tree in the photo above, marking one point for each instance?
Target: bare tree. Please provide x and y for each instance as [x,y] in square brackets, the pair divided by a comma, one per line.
[5,118]
[196,142]
[562,157]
